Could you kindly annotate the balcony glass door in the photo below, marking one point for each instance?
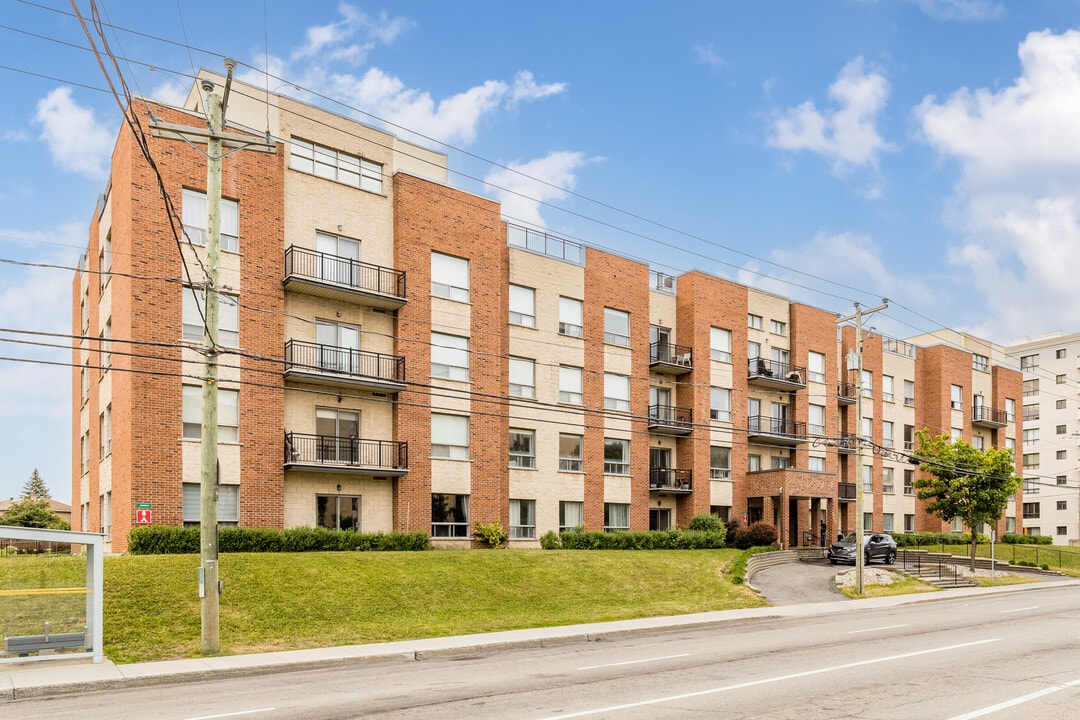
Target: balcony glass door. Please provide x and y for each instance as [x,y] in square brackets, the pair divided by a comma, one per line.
[339,347]
[338,259]
[338,435]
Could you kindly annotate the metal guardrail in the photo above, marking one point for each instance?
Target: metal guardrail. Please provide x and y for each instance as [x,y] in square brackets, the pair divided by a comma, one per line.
[344,361]
[323,267]
[336,451]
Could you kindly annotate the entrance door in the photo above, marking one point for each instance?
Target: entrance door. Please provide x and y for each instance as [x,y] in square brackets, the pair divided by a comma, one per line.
[659,518]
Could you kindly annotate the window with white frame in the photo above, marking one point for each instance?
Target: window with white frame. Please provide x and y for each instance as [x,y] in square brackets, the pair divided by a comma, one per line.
[616,392]
[720,404]
[1060,379]
[719,462]
[1029,362]
[887,388]
[777,328]
[193,213]
[956,396]
[228,414]
[754,321]
[887,522]
[616,456]
[815,366]
[449,515]
[105,343]
[84,311]
[522,519]
[720,344]
[105,512]
[342,167]
[522,377]
[1031,387]
[909,482]
[868,478]
[1031,510]
[867,384]
[105,430]
[228,505]
[105,260]
[84,385]
[338,259]
[957,524]
[449,436]
[816,463]
[570,452]
[1031,436]
[909,523]
[978,443]
[449,357]
[1010,410]
[616,327]
[522,449]
[1061,454]
[1031,461]
[1060,354]
[957,434]
[980,362]
[753,463]
[571,515]
[868,521]
[779,462]
[867,429]
[194,314]
[1031,412]
[815,420]
[570,317]
[449,277]
[887,433]
[570,389]
[84,453]
[522,306]
[887,480]
[616,517]
[909,393]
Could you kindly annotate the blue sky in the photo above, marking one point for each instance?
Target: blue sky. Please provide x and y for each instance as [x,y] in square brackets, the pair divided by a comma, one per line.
[835,151]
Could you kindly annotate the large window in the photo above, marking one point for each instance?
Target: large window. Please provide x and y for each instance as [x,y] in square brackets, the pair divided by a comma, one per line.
[720,344]
[1029,362]
[326,162]
[522,306]
[338,259]
[228,505]
[1031,510]
[616,327]
[228,414]
[522,377]
[450,436]
[887,388]
[338,430]
[105,431]
[887,433]
[616,392]
[570,385]
[1031,387]
[194,310]
[909,393]
[815,366]
[449,277]
[338,347]
[570,452]
[754,321]
[887,474]
[815,424]
[571,515]
[909,482]
[570,317]
[449,357]
[720,404]
[616,456]
[868,478]
[194,220]
[616,517]
[867,384]
[338,512]
[449,515]
[522,519]
[522,449]
[719,463]
[956,396]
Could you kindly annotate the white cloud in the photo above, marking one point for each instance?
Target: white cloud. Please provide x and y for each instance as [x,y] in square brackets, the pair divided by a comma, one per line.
[525,88]
[961,9]
[76,140]
[847,135]
[14,136]
[351,38]
[524,186]
[170,93]
[1015,202]
[708,56]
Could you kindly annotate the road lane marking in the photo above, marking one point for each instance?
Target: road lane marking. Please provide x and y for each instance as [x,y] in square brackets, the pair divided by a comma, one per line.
[887,627]
[232,714]
[1033,607]
[766,681]
[634,662]
[1016,701]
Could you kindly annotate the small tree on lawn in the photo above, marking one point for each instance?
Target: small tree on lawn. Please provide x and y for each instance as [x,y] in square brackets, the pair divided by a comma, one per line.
[33,513]
[35,487]
[965,482]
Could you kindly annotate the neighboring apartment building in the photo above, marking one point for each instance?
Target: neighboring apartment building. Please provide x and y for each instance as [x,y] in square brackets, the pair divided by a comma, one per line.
[396,356]
[1051,451]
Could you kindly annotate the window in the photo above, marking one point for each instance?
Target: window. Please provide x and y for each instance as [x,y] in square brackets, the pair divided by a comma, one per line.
[957,525]
[868,478]
[1031,510]
[909,393]
[909,482]
[980,362]
[909,437]
[194,306]
[84,314]
[522,519]
[449,277]
[867,430]
[777,328]
[753,463]
[570,317]
[616,327]
[1059,404]
[720,344]
[228,505]
[616,517]
[1062,530]
[228,414]
[194,220]
[778,462]
[1062,504]
[338,512]
[1010,443]
[571,515]
[1031,412]
[887,522]
[868,520]
[1031,387]
[335,165]
[909,523]
[616,456]
[1061,480]
[522,378]
[569,452]
[978,443]
[816,420]
[449,516]
[1010,524]
[616,392]
[867,384]
[719,463]
[84,453]
[1031,436]
[887,388]
[1034,531]
[957,433]
[522,306]
[338,347]
[105,431]
[449,357]
[522,449]
[449,436]
[105,260]
[570,385]
[1031,461]
[956,395]
[1059,379]
[815,366]
[84,385]
[887,480]
[1029,362]
[753,321]
[106,346]
[887,433]
[1010,410]
[720,404]
[1060,430]
[1060,354]
[338,260]
[1061,454]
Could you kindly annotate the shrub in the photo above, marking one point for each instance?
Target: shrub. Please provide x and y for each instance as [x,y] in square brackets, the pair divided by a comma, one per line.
[167,540]
[1045,566]
[762,533]
[11,550]
[1017,539]
[550,540]
[641,540]
[738,568]
[930,538]
[706,522]
[491,534]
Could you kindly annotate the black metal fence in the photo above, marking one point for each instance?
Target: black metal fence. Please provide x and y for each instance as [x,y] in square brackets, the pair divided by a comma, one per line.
[333,450]
[346,361]
[315,265]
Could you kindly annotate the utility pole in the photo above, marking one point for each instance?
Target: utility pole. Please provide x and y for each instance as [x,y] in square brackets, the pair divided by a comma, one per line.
[859,440]
[215,138]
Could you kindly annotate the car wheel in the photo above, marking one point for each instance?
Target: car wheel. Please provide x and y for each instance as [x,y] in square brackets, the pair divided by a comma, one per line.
[890,558]
[866,560]
[832,561]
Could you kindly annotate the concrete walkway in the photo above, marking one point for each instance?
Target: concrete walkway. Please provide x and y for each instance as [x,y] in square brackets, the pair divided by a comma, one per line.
[56,676]
[799,582]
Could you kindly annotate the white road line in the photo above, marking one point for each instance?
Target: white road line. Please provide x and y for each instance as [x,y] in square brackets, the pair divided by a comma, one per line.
[634,662]
[232,714]
[887,627]
[1033,607]
[766,681]
[1016,701]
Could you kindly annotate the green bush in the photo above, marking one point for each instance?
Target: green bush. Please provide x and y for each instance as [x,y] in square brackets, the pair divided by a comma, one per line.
[706,522]
[550,540]
[738,568]
[1018,539]
[921,539]
[491,534]
[640,540]
[1045,566]
[168,540]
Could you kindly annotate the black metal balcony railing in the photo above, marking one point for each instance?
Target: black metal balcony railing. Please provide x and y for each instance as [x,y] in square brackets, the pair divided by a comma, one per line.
[759,367]
[847,444]
[333,450]
[984,414]
[845,491]
[670,354]
[764,424]
[353,274]
[669,416]
[344,361]
[846,391]
[670,479]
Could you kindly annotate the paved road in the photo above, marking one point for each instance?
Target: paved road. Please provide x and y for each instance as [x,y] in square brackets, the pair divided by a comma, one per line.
[798,583]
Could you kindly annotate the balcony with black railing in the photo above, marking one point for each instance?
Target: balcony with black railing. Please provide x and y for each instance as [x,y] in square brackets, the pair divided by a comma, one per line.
[846,393]
[984,416]
[670,359]
[338,278]
[845,491]
[775,374]
[671,480]
[766,430]
[332,365]
[670,420]
[345,454]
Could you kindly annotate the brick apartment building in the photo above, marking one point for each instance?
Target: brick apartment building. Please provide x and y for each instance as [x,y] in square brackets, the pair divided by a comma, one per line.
[399,357]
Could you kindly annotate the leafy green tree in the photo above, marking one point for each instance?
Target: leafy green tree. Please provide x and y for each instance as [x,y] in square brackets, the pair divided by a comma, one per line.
[35,487]
[965,482]
[33,513]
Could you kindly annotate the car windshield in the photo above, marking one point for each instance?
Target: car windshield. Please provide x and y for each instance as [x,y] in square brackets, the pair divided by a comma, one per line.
[850,539]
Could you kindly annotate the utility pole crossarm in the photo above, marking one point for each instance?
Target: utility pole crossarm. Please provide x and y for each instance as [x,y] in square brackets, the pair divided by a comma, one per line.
[171,131]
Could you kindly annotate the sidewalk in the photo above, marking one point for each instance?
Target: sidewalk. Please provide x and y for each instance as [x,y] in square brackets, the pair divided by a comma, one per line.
[42,678]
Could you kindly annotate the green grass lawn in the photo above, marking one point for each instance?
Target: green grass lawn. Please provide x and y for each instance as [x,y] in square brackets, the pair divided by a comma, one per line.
[289,601]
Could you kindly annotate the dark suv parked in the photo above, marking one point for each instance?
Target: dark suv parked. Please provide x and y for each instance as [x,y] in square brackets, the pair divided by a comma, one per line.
[875,546]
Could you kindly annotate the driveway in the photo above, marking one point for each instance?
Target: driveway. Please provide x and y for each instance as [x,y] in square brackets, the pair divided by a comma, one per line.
[798,582]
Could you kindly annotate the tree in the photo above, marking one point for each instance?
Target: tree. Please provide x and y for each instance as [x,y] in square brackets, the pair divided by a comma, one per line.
[33,513]
[971,484]
[35,488]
